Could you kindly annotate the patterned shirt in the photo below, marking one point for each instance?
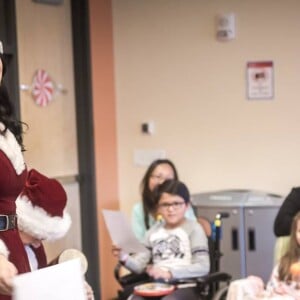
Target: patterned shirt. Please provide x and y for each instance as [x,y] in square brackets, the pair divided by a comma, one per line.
[182,250]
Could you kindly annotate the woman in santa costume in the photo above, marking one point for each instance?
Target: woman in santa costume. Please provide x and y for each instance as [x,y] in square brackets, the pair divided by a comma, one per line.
[13,258]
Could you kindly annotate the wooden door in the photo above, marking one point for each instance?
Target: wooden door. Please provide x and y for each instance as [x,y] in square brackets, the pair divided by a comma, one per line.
[45,43]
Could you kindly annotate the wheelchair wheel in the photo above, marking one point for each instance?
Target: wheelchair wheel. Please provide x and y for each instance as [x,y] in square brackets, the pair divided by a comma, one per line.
[221,294]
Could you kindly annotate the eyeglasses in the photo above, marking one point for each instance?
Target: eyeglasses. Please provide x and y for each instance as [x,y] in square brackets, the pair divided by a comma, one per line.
[175,205]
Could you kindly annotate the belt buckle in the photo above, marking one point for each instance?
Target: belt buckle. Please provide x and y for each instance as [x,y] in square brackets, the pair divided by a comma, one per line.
[7,222]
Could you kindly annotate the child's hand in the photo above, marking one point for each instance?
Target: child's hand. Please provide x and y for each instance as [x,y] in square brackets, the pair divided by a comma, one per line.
[116,251]
[158,273]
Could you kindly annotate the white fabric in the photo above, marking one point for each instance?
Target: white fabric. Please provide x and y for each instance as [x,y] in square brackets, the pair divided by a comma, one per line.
[245,289]
[32,258]
[11,148]
[3,249]
[38,223]
[252,288]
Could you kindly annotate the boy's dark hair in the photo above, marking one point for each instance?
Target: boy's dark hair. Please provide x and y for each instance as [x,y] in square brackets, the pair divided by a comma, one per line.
[173,187]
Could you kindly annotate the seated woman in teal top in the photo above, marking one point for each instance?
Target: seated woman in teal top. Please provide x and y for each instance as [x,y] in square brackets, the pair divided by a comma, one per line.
[143,213]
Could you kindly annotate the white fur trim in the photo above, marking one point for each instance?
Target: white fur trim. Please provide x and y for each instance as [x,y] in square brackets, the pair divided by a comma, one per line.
[3,249]
[35,221]
[11,148]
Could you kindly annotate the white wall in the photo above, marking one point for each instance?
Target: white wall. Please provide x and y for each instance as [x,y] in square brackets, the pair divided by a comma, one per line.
[170,69]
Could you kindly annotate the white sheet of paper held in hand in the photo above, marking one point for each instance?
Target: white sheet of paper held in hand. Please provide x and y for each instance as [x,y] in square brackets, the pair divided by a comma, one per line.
[58,282]
[120,231]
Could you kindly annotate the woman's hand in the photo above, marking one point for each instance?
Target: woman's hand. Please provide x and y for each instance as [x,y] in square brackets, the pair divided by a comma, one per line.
[7,272]
[158,273]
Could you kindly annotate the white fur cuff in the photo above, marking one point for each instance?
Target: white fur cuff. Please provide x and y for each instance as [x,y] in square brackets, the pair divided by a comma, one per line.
[3,249]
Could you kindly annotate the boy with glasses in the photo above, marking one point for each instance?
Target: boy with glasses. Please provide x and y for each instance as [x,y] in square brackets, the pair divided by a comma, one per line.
[177,247]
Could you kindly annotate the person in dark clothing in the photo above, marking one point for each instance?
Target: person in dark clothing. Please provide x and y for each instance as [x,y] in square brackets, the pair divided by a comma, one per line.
[286,213]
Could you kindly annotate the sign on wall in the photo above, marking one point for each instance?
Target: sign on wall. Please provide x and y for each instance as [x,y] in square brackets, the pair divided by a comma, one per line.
[260,80]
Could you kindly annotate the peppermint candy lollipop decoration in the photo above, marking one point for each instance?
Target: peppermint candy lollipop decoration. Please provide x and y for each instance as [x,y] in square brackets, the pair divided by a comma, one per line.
[42,88]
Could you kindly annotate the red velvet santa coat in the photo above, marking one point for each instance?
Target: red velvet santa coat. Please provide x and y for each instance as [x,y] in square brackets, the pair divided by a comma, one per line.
[12,177]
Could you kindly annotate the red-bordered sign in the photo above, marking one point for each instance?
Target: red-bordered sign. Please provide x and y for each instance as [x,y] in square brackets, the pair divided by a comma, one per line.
[260,80]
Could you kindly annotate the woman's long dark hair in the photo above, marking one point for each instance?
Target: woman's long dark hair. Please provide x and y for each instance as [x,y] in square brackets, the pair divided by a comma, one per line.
[7,113]
[147,195]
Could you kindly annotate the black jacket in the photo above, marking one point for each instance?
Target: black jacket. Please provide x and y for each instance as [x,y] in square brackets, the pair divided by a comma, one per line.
[286,213]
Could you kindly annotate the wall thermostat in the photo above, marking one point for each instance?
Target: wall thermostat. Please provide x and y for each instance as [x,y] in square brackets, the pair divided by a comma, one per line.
[148,128]
[225,27]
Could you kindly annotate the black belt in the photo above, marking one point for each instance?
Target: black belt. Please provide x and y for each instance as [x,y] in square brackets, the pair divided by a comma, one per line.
[8,222]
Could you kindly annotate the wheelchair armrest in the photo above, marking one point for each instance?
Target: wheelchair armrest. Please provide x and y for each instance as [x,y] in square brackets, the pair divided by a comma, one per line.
[129,278]
[208,279]
[117,271]
[133,278]
[215,277]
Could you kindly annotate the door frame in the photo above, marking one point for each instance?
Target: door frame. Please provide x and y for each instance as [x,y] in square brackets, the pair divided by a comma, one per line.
[85,133]
[8,36]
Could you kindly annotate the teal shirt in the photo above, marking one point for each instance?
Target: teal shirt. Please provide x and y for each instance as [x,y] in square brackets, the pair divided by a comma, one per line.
[138,223]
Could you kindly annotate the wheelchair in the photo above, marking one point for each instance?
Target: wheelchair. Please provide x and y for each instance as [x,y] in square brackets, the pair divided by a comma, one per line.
[213,286]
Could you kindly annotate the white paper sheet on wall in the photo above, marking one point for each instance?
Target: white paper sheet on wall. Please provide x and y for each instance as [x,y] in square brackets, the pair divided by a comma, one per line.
[58,282]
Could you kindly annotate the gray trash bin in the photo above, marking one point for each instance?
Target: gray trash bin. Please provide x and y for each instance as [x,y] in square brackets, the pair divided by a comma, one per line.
[247,238]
